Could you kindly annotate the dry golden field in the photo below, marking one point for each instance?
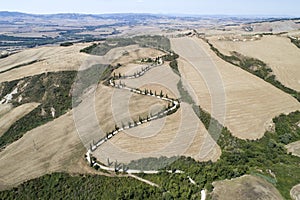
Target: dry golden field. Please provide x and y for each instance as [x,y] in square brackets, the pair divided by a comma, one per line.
[181,133]
[7,119]
[60,145]
[294,148]
[249,102]
[178,134]
[56,58]
[54,146]
[136,55]
[277,52]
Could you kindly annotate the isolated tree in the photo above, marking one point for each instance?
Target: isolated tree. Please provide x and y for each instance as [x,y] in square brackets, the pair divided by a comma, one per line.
[116,166]
[172,104]
[161,94]
[123,125]
[167,96]
[169,105]
[140,119]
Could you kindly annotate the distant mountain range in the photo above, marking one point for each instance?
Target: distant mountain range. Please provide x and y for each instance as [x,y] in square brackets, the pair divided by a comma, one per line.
[22,30]
[141,15]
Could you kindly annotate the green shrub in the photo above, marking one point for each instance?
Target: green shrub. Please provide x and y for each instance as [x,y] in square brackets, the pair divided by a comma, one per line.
[295,42]
[66,44]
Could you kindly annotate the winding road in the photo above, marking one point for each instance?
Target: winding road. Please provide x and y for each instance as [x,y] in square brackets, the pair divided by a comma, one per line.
[174,104]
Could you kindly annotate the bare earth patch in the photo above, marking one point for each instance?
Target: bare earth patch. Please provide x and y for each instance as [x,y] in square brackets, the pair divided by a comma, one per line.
[246,187]
[249,102]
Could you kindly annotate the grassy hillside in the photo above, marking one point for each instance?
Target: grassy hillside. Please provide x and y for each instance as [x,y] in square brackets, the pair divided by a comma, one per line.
[53,91]
[266,158]
[239,157]
[256,67]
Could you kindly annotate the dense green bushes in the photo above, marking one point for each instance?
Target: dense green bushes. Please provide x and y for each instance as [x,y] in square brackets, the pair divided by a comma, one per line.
[184,95]
[49,89]
[243,156]
[155,41]
[174,66]
[66,44]
[151,163]
[64,186]
[29,42]
[20,127]
[238,157]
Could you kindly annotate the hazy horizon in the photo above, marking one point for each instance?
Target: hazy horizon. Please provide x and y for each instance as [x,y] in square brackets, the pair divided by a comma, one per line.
[174,7]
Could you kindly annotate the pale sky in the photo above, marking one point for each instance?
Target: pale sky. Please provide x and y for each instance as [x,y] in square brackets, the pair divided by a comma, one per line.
[198,7]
